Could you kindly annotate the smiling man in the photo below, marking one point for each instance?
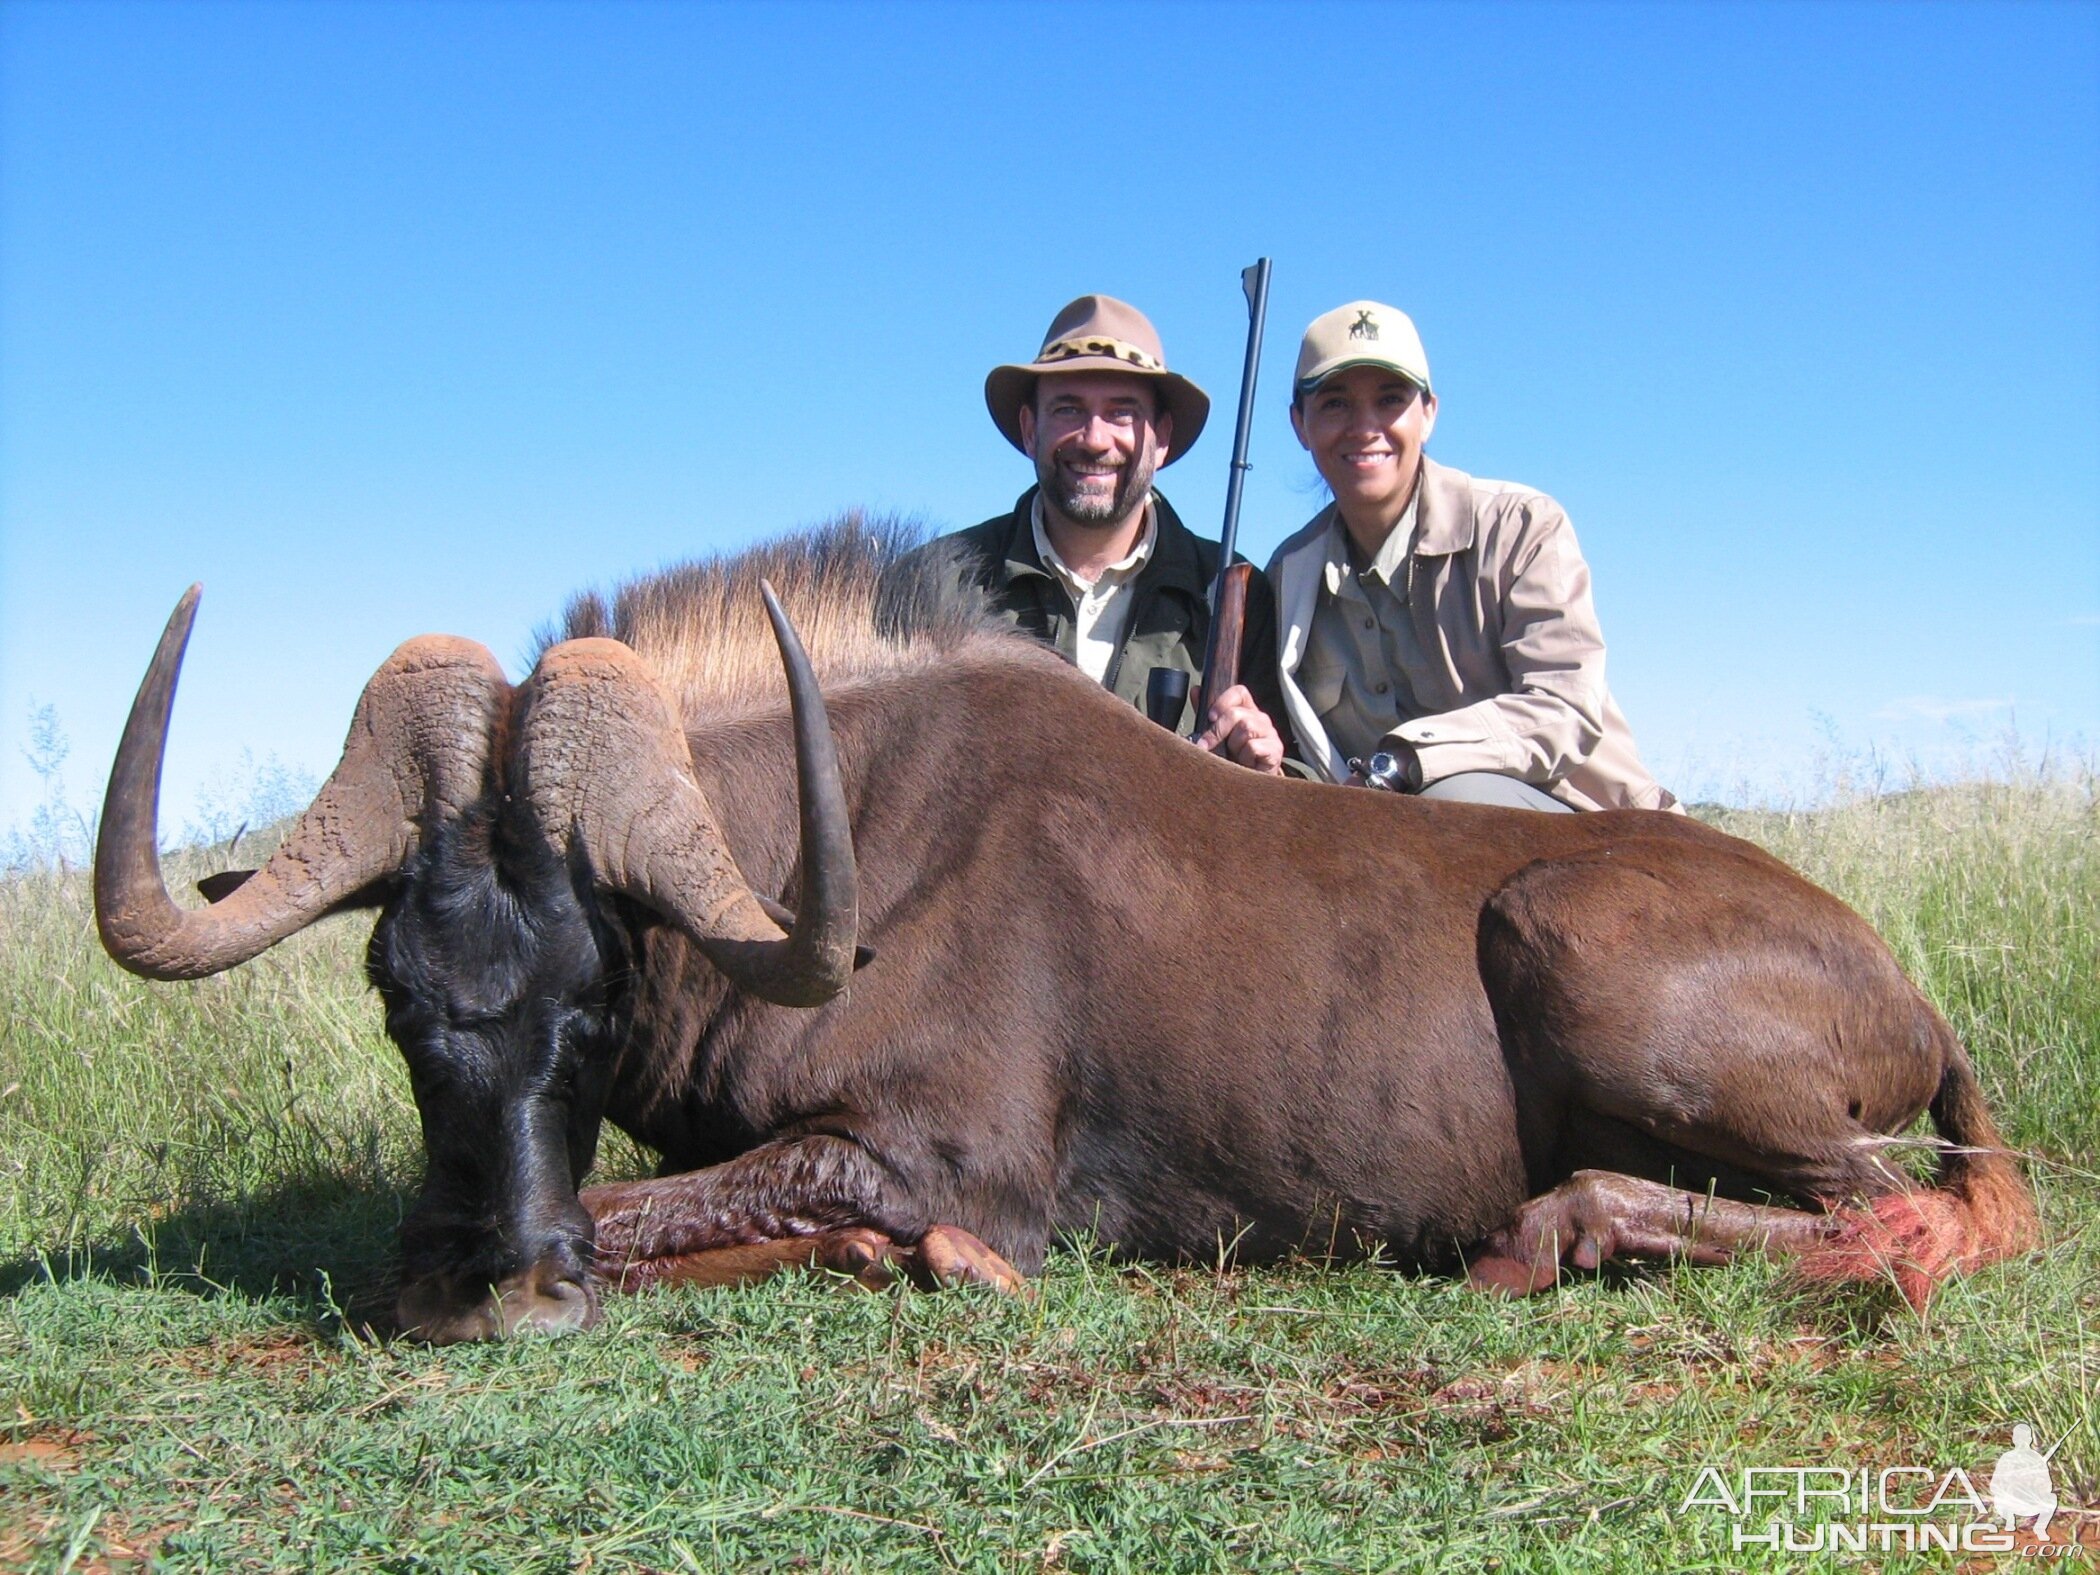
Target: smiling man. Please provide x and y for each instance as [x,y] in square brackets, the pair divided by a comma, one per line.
[1091,559]
[1438,636]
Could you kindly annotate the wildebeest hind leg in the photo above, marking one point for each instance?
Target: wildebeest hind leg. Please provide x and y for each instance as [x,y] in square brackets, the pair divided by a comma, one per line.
[1597,1215]
[1737,1028]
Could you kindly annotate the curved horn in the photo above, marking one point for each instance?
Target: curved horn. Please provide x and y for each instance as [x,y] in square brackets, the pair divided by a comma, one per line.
[419,744]
[606,766]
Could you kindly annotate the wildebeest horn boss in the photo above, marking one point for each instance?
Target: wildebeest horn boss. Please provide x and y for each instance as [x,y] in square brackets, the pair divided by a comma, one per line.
[1447,1032]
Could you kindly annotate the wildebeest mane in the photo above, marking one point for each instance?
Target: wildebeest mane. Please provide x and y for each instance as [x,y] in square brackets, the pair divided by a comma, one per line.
[863,599]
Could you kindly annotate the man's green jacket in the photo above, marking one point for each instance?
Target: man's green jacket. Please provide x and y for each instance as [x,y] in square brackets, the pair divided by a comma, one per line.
[1169,616]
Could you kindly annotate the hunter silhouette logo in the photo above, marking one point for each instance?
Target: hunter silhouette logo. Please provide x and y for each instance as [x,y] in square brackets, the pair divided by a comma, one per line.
[1363,327]
[2020,1485]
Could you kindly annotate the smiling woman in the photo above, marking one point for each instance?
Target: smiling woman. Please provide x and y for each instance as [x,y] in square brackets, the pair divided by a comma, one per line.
[1437,633]
[1365,426]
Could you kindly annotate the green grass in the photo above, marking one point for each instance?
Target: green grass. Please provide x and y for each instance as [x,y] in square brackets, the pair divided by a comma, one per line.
[197,1180]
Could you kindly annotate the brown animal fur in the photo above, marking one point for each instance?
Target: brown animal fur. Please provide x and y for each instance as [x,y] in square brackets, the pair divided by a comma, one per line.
[861,616]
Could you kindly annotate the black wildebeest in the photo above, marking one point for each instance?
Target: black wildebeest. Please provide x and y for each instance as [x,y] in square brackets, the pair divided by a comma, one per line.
[1355,1020]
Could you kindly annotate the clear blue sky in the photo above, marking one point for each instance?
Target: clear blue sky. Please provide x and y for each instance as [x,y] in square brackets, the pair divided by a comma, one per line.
[384,319]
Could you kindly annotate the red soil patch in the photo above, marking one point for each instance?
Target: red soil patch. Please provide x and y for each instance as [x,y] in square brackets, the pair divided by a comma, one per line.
[279,1352]
[60,1453]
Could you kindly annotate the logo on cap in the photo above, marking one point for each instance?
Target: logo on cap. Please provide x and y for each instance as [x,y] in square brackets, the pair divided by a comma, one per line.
[1363,327]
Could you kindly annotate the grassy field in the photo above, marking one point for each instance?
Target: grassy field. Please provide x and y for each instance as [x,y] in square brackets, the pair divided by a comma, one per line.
[199,1186]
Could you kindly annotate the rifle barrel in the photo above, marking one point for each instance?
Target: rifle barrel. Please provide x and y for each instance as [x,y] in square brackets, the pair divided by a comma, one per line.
[1254,282]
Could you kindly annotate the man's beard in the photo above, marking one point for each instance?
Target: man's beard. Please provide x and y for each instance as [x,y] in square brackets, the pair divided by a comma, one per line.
[1064,493]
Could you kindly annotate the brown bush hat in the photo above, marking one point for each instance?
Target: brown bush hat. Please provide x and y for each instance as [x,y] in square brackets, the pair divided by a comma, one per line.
[1098,333]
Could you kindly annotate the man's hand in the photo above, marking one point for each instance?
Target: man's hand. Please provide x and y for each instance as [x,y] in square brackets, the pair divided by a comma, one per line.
[1241,730]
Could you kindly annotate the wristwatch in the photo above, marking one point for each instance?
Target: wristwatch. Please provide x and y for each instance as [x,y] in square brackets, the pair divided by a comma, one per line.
[1396,771]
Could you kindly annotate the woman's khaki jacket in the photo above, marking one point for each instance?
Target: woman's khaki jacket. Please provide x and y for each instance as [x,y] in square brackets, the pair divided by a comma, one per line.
[1513,671]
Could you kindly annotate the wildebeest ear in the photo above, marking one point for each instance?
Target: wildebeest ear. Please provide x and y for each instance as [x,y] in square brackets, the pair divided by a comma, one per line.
[784,916]
[217,888]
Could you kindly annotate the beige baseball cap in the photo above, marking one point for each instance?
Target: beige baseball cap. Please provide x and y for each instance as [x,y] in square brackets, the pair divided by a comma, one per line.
[1363,333]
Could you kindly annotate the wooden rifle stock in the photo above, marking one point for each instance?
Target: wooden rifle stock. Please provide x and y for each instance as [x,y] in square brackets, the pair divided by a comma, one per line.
[1221,662]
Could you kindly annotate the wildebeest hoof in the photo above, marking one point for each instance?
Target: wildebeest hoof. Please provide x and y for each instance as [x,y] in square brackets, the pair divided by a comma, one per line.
[1500,1276]
[949,1255]
[865,1256]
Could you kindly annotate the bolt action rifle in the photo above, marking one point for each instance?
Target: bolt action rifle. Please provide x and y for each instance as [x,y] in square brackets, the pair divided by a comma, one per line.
[1228,593]
[1167,688]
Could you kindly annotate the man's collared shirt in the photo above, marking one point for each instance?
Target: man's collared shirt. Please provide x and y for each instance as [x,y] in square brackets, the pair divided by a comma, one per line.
[1361,649]
[1101,610]
[1169,620]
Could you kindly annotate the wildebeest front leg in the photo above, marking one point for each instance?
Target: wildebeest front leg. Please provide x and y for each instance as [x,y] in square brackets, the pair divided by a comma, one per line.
[946,1255]
[814,1201]
[1597,1215]
[866,1256]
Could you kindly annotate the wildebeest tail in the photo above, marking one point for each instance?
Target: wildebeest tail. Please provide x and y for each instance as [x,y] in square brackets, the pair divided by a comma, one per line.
[1980,1211]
